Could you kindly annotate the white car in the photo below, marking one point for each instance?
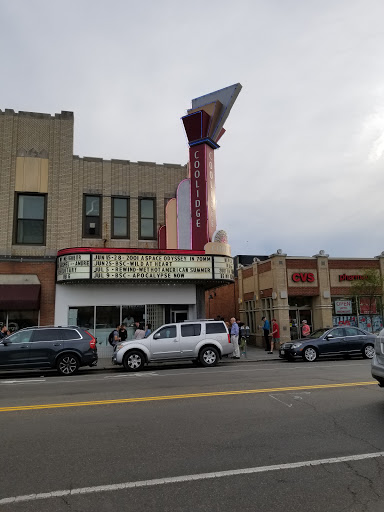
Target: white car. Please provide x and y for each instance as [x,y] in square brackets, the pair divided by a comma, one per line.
[204,341]
[377,368]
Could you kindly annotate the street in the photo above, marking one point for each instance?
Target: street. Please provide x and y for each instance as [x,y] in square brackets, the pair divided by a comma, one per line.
[267,436]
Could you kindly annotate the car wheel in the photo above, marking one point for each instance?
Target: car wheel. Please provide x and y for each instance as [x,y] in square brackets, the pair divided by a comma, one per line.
[368,351]
[209,356]
[134,361]
[310,354]
[67,364]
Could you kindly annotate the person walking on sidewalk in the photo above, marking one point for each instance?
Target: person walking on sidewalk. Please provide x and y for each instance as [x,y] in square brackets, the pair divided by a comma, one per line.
[305,329]
[275,336]
[266,327]
[235,339]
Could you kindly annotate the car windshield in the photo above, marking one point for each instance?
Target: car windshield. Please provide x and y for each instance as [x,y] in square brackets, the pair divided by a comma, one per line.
[319,333]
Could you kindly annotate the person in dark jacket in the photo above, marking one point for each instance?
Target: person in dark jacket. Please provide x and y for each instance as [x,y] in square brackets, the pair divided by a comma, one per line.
[266,327]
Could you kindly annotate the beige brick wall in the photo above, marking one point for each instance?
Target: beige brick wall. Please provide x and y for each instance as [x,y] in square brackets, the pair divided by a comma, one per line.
[69,178]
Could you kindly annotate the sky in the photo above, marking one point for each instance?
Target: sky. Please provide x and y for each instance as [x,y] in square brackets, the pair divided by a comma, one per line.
[301,166]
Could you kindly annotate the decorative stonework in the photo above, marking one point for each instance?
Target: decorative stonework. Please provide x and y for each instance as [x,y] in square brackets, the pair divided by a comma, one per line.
[32,153]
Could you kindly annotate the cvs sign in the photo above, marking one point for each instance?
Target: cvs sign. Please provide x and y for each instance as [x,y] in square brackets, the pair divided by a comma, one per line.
[303,277]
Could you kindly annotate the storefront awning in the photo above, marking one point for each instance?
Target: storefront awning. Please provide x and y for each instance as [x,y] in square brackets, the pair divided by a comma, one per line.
[19,291]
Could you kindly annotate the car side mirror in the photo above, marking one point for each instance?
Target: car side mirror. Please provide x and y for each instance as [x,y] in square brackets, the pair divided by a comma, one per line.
[329,336]
[7,342]
[156,336]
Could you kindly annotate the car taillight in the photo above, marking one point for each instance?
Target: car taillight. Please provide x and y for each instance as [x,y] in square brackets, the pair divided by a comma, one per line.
[229,338]
[92,341]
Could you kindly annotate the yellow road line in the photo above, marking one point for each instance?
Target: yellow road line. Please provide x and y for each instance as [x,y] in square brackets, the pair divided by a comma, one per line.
[177,397]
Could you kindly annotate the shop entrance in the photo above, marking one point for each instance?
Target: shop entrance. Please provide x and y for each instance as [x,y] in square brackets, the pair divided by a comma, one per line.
[179,315]
[296,316]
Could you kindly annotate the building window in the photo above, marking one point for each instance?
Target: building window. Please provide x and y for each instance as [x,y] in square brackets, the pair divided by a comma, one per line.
[250,313]
[92,216]
[147,219]
[30,224]
[120,217]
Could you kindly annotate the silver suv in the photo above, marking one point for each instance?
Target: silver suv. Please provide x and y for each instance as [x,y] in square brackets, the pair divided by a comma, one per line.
[203,341]
[377,368]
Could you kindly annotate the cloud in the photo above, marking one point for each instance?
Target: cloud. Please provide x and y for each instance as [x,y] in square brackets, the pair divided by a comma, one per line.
[301,164]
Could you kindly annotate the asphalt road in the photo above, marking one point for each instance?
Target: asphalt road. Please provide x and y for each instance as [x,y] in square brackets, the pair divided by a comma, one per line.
[254,436]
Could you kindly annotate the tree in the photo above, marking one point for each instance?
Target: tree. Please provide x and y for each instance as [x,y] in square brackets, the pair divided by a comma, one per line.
[368,292]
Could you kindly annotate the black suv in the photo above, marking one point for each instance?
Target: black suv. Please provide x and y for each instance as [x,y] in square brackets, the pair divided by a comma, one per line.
[63,348]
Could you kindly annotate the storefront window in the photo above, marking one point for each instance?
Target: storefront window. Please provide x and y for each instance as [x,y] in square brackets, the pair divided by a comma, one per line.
[130,315]
[299,302]
[107,317]
[102,320]
[250,313]
[354,312]
[16,320]
[370,323]
[20,319]
[82,317]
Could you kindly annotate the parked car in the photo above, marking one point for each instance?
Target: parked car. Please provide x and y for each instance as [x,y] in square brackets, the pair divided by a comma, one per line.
[344,341]
[377,368]
[62,348]
[203,341]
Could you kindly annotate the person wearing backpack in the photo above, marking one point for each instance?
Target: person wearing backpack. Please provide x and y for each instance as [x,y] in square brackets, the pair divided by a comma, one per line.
[114,337]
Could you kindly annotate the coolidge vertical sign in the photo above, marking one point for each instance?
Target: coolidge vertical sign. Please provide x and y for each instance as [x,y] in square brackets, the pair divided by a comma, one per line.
[203,200]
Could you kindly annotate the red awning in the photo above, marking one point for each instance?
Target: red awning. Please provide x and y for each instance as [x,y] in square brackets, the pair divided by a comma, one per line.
[19,291]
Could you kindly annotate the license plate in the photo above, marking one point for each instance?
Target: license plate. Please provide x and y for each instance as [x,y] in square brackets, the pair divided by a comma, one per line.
[282,352]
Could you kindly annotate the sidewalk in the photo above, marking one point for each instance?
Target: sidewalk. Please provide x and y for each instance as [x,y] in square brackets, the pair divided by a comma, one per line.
[254,354]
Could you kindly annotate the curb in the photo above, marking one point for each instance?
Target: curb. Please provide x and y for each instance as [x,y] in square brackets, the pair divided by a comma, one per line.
[222,362]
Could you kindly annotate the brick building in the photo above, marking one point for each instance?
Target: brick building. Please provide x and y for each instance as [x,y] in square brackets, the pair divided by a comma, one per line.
[52,200]
[80,237]
[291,289]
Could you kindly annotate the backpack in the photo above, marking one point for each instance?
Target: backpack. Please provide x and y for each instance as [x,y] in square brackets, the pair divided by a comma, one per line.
[111,338]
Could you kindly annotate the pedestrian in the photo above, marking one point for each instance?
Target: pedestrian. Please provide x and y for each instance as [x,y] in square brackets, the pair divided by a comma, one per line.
[148,330]
[116,337]
[123,333]
[305,329]
[4,332]
[275,336]
[139,333]
[235,339]
[266,328]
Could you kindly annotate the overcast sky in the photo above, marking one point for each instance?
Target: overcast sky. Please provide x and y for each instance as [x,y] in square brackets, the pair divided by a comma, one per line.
[301,166]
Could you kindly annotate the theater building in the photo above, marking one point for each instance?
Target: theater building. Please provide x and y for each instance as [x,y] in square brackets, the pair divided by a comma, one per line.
[316,289]
[96,242]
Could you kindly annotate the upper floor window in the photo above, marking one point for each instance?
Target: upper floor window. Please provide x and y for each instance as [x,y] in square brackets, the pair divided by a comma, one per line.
[92,217]
[120,217]
[30,222]
[147,219]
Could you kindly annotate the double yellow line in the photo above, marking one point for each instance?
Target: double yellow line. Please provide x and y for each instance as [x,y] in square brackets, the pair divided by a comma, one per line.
[179,397]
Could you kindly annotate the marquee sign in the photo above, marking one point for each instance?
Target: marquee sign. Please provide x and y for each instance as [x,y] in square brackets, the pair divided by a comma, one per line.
[151,267]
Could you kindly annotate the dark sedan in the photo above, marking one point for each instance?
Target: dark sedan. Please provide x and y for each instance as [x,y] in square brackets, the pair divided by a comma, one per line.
[344,341]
